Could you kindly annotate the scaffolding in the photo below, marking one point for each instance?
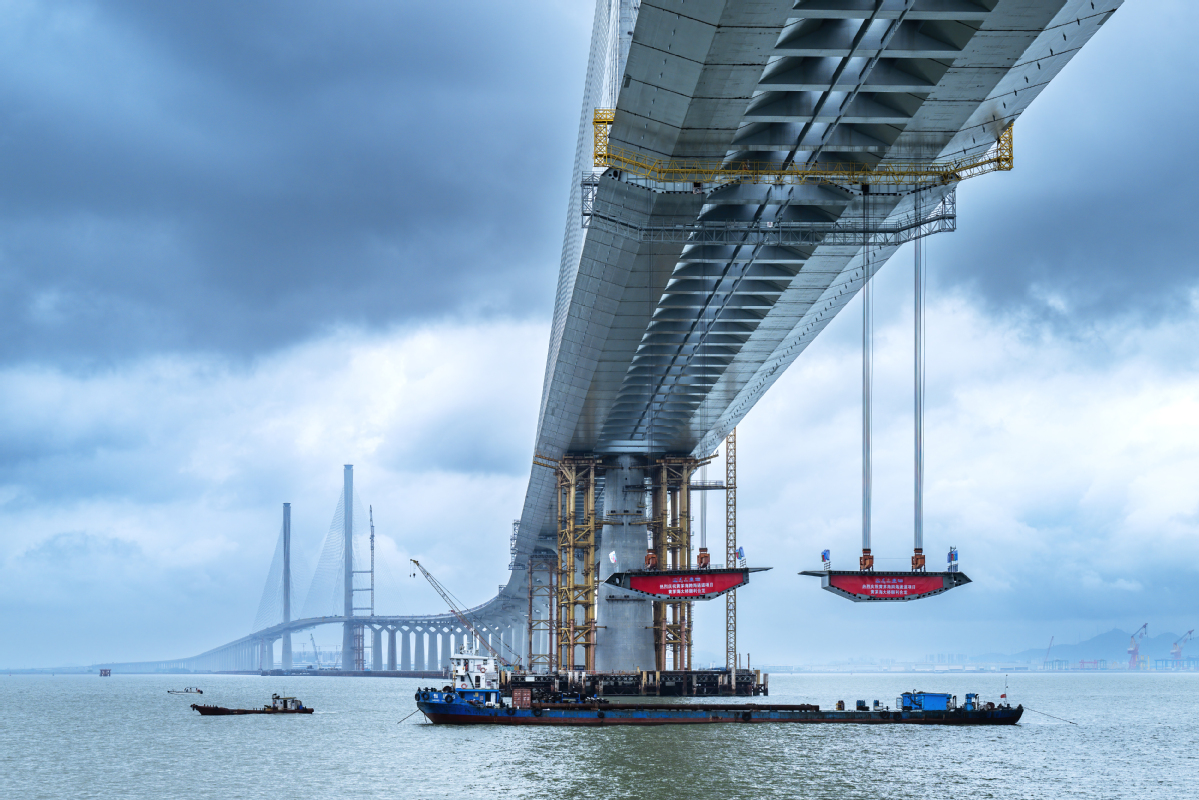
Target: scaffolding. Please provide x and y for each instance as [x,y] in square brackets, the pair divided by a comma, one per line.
[577,588]
[730,540]
[670,532]
[699,175]
[543,567]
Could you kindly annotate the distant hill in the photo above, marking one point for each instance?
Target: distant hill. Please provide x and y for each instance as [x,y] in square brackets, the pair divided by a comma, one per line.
[1112,646]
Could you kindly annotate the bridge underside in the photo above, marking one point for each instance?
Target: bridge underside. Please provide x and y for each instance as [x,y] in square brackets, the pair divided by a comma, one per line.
[663,341]
[679,303]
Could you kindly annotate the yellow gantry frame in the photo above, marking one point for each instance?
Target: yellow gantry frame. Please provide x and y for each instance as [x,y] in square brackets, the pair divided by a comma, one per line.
[577,570]
[998,158]
[670,529]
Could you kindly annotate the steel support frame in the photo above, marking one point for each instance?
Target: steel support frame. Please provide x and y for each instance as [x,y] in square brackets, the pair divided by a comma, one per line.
[942,218]
[544,565]
[577,587]
[730,539]
[670,529]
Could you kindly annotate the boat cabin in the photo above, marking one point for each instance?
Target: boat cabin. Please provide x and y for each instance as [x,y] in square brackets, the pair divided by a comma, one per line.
[285,703]
[927,701]
[474,675]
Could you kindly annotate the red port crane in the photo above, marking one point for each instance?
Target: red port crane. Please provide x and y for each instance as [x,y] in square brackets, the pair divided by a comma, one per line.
[1176,650]
[1134,646]
[461,615]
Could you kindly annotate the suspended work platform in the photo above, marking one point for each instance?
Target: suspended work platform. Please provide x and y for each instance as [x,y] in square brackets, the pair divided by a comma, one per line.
[887,587]
[685,584]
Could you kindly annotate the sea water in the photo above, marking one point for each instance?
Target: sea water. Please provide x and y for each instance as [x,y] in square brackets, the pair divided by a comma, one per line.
[83,736]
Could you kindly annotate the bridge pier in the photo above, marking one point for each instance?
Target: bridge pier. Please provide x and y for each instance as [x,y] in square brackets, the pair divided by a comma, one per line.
[624,639]
[419,660]
[391,649]
[405,649]
[376,649]
[444,660]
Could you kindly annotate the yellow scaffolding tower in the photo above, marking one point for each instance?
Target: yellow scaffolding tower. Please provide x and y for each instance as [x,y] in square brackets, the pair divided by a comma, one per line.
[730,540]
[670,528]
[577,571]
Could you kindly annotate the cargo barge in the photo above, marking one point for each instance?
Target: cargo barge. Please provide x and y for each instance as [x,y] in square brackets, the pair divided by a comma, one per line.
[485,707]
[475,699]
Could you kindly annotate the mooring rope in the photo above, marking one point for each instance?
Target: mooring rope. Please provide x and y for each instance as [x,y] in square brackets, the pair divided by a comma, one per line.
[1033,710]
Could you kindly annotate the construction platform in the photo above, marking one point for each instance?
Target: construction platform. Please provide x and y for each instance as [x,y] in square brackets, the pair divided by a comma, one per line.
[665,683]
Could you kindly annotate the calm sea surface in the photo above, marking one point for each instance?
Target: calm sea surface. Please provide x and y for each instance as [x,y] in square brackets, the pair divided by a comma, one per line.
[124,737]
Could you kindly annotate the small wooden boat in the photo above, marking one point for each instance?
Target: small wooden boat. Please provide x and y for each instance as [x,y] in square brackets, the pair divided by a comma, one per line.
[188,690]
[279,705]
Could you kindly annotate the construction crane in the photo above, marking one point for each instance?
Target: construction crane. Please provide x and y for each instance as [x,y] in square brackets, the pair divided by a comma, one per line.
[461,615]
[1134,646]
[1047,651]
[1176,650]
[316,654]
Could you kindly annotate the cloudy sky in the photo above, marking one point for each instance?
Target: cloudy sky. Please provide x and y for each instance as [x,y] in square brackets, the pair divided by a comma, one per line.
[244,244]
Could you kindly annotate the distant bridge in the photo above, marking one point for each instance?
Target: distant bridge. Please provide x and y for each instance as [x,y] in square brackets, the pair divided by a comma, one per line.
[418,643]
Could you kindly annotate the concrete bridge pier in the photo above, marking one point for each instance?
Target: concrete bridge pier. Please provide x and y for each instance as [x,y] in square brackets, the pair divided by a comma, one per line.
[405,649]
[376,649]
[624,639]
[391,649]
[419,654]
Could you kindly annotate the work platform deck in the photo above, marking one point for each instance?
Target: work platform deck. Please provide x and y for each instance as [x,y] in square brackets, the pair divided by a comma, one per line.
[667,683]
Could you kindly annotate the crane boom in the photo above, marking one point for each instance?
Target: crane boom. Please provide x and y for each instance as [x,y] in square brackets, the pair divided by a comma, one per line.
[1176,650]
[1134,647]
[457,612]
[1048,651]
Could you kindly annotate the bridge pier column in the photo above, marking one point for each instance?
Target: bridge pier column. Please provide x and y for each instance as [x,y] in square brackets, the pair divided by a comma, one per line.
[391,649]
[443,660]
[377,649]
[419,660]
[624,640]
[405,649]
[285,651]
[268,653]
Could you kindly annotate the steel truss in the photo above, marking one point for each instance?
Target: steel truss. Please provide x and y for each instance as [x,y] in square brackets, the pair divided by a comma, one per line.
[700,175]
[730,544]
[880,233]
[577,587]
[670,532]
[544,565]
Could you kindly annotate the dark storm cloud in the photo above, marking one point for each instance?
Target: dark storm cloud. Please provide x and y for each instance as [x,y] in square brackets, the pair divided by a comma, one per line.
[1093,226]
[230,176]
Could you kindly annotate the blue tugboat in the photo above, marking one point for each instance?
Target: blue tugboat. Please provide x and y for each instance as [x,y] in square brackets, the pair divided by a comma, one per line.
[475,700]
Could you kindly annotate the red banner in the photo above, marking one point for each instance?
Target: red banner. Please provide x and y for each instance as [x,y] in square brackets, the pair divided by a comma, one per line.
[687,586]
[887,587]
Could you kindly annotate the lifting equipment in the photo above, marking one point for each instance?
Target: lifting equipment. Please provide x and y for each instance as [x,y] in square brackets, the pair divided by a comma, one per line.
[461,615]
[702,175]
[1176,648]
[1134,646]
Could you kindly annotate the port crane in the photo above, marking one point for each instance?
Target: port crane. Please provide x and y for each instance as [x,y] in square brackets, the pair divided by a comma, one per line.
[1047,652]
[316,654]
[1134,646]
[461,614]
[1176,649]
